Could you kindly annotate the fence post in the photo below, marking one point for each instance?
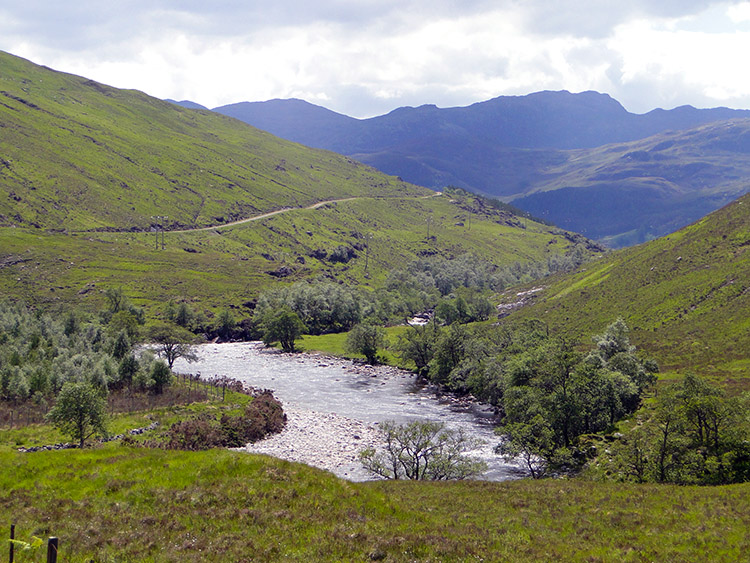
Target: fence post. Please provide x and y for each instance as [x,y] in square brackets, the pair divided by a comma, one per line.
[52,550]
[12,545]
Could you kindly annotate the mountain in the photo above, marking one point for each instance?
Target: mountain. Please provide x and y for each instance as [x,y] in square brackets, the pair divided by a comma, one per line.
[631,192]
[187,104]
[686,296]
[513,146]
[106,188]
[296,120]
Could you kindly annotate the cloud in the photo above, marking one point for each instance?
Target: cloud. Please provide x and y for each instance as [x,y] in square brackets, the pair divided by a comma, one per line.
[365,57]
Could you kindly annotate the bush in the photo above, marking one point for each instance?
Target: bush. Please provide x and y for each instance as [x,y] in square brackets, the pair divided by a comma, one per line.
[342,254]
[263,416]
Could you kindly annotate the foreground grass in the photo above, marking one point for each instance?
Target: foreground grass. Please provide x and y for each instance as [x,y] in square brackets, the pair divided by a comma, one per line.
[122,504]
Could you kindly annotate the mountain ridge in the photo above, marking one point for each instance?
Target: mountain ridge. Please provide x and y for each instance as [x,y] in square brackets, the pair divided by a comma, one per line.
[507,146]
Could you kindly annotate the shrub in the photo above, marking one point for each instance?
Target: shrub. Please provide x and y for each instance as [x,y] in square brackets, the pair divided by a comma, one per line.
[263,416]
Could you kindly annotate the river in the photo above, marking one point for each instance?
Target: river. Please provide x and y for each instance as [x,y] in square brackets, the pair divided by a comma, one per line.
[331,393]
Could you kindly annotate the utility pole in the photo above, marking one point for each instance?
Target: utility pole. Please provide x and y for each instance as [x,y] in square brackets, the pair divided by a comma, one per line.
[368,238]
[159,227]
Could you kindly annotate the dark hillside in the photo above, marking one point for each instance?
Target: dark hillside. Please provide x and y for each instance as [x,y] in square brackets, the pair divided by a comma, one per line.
[515,147]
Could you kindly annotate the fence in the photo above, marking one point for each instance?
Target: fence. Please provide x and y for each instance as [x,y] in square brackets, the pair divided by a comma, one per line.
[53,546]
[186,388]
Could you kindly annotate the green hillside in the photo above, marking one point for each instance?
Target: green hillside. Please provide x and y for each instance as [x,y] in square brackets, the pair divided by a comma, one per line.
[685,296]
[79,155]
[228,266]
[86,168]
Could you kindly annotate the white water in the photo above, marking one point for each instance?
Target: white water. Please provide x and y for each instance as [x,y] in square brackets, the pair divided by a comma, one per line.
[361,393]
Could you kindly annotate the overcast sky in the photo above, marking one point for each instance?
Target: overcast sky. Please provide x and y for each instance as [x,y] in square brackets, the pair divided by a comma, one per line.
[367,57]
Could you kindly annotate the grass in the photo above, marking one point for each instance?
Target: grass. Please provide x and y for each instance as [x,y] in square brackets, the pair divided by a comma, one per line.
[118,503]
[335,345]
[228,268]
[685,297]
[109,504]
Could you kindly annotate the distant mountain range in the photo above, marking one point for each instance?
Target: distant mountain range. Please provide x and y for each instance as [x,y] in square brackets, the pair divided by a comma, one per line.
[579,160]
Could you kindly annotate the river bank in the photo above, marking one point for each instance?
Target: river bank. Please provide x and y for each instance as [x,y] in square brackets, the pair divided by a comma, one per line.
[324,440]
[334,406]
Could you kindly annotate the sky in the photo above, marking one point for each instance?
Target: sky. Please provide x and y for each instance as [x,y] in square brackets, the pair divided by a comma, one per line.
[367,57]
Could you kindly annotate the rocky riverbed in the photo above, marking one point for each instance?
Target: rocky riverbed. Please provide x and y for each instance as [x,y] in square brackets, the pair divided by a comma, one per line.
[328,441]
[334,406]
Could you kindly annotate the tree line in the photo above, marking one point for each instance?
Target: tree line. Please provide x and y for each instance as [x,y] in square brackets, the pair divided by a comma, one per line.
[456,290]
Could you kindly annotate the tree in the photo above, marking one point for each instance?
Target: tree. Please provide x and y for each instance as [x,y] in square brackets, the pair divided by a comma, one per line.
[184,316]
[691,434]
[128,369]
[226,324]
[121,345]
[79,411]
[161,375]
[422,450]
[116,299]
[418,343]
[449,351]
[365,339]
[172,342]
[533,442]
[283,326]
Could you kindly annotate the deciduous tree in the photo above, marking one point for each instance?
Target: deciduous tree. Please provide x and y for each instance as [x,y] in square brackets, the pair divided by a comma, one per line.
[79,412]
[172,342]
[422,450]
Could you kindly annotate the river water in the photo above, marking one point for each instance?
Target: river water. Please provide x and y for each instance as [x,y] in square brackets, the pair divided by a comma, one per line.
[361,393]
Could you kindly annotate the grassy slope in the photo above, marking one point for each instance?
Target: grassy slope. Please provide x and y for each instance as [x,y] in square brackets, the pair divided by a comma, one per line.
[685,296]
[239,507]
[80,155]
[229,266]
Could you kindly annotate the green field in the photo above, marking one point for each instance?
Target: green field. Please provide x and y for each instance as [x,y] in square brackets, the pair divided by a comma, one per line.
[124,504]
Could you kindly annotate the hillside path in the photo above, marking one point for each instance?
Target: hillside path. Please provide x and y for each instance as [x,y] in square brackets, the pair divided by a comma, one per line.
[287,209]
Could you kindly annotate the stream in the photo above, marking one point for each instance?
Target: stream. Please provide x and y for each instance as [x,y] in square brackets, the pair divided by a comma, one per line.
[333,388]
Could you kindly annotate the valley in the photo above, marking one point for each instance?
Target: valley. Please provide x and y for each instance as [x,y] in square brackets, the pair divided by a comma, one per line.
[580,161]
[138,236]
